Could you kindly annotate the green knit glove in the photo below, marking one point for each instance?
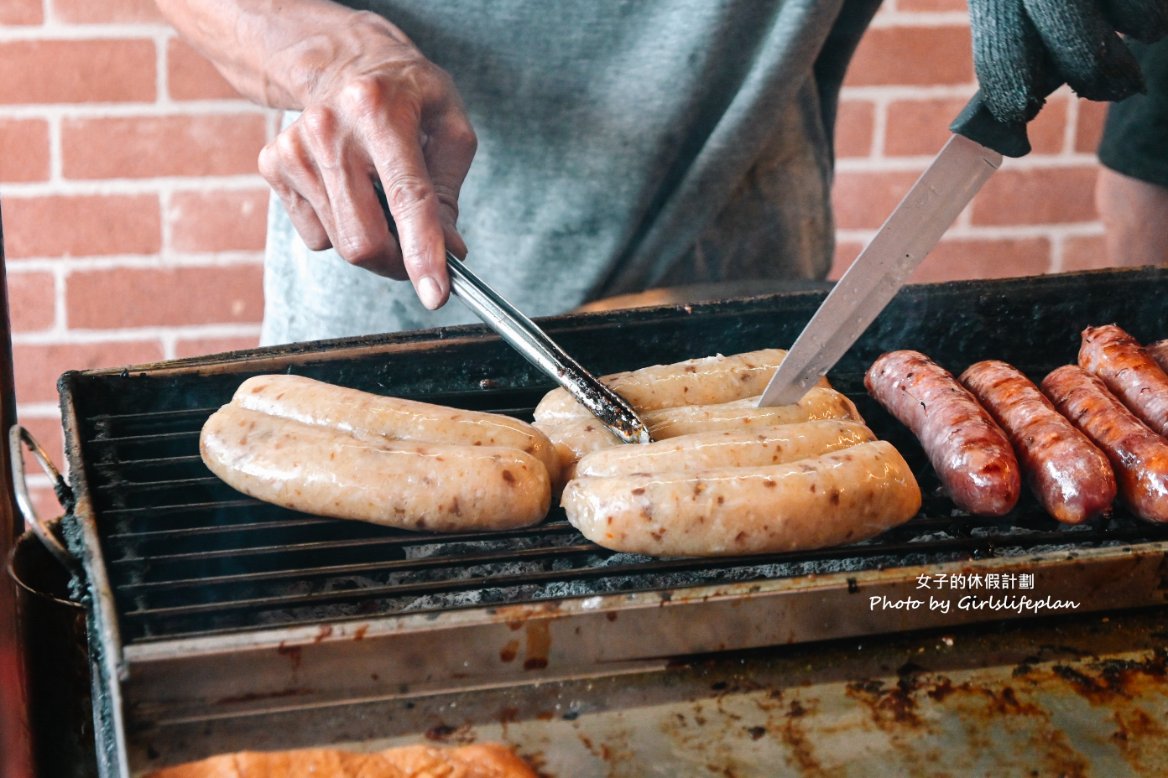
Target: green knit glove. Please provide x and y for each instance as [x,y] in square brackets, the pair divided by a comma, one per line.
[1024,49]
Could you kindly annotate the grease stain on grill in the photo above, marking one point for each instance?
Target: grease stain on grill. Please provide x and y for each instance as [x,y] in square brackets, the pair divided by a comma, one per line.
[539,643]
[260,696]
[294,654]
[444,733]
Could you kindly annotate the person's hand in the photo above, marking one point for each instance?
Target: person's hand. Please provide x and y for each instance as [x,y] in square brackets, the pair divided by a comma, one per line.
[1025,49]
[378,110]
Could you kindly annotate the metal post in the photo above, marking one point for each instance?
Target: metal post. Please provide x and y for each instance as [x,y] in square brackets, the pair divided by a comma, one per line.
[15,759]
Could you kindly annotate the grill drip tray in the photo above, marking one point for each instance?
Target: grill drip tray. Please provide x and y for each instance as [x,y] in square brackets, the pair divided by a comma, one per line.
[210,609]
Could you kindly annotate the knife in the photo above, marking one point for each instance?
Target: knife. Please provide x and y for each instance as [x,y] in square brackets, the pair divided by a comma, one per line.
[911,231]
[537,347]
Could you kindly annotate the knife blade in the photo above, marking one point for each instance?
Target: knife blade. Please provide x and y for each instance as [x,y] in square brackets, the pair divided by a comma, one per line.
[522,334]
[908,234]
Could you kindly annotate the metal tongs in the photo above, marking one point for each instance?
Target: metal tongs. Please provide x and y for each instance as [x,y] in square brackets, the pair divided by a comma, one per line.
[534,344]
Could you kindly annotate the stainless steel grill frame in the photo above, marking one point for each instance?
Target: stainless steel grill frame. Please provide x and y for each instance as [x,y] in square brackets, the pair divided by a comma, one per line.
[206,606]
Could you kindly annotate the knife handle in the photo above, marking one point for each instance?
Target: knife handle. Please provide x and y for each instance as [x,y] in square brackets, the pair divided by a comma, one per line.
[979,125]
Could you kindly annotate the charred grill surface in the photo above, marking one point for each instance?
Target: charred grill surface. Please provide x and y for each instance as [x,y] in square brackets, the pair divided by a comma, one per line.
[186,555]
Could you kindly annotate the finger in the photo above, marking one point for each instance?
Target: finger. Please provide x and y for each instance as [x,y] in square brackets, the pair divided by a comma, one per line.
[449,150]
[333,170]
[1143,20]
[414,206]
[1008,56]
[362,234]
[1085,49]
[281,164]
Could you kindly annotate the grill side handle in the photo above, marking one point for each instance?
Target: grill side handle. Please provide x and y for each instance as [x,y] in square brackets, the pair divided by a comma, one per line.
[46,531]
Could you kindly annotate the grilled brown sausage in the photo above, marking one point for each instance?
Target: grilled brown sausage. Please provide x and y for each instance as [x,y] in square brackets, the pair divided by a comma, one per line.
[1129,371]
[1069,475]
[1159,352]
[1139,456]
[969,451]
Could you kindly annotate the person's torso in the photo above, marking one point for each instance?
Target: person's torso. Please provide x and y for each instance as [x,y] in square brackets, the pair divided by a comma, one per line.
[613,134]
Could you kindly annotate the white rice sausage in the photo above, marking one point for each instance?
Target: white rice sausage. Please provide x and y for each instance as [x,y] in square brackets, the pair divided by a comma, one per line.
[840,497]
[703,381]
[575,438]
[406,484]
[363,413]
[713,450]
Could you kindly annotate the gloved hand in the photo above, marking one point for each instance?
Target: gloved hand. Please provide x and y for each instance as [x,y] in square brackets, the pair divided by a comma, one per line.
[1025,49]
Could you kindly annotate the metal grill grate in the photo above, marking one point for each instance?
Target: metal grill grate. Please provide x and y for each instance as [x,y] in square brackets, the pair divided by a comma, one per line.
[187,555]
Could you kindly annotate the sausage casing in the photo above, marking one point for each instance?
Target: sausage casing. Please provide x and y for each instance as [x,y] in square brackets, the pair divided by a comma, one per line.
[1129,371]
[839,497]
[1069,475]
[1139,455]
[407,484]
[1159,352]
[968,450]
[393,418]
[703,381]
[577,437]
[715,450]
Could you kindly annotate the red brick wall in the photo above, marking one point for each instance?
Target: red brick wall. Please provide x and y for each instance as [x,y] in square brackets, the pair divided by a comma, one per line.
[133,216]
[910,78]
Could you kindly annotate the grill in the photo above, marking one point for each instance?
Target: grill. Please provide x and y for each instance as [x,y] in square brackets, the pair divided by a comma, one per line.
[212,612]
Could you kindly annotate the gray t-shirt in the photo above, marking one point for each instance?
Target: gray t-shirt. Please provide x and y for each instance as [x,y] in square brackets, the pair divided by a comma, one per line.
[623,145]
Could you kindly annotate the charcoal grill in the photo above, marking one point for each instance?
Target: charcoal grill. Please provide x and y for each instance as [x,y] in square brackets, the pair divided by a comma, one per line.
[219,623]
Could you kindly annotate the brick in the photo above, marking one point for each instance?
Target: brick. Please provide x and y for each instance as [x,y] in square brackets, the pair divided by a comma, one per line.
[845,253]
[31,301]
[1089,126]
[48,433]
[912,56]
[963,259]
[190,76]
[22,12]
[106,11]
[1037,196]
[149,146]
[916,127]
[863,200]
[198,347]
[853,128]
[1048,130]
[1084,252]
[77,71]
[37,367]
[44,499]
[24,150]
[165,296]
[218,220]
[82,225]
[956,259]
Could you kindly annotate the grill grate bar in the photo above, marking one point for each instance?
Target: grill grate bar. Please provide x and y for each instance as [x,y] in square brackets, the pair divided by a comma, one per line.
[285,548]
[223,561]
[410,565]
[982,546]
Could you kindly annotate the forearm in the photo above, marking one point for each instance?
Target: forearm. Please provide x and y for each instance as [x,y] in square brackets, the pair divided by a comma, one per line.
[280,53]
